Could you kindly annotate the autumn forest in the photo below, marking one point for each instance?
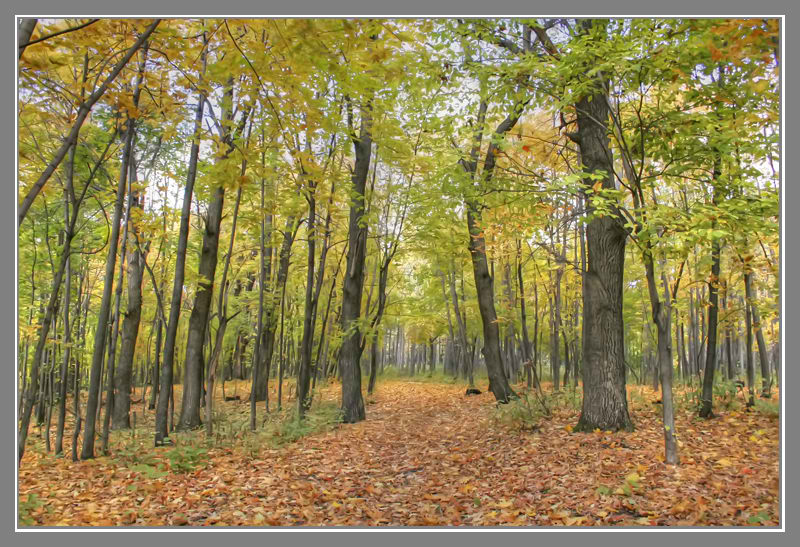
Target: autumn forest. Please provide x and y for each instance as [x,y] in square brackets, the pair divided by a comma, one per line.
[387,272]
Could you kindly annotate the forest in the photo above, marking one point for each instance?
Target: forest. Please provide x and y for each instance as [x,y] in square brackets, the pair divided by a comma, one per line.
[399,272]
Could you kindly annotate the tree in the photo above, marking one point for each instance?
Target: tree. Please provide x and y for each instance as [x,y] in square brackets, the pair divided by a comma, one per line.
[167,366]
[83,111]
[87,451]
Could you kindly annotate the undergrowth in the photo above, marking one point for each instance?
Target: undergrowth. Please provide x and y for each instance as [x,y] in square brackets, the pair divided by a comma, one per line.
[435,377]
[287,428]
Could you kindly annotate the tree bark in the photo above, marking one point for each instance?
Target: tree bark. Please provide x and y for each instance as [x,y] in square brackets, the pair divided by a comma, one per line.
[713,313]
[605,403]
[114,334]
[304,371]
[222,306]
[92,406]
[766,382]
[462,329]
[24,33]
[166,379]
[353,285]
[198,320]
[484,284]
[130,324]
[275,295]
[62,402]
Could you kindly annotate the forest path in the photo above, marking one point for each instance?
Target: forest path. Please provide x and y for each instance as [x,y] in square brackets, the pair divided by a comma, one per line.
[429,455]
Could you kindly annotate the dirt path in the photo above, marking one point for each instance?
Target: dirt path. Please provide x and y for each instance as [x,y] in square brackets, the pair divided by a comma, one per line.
[428,455]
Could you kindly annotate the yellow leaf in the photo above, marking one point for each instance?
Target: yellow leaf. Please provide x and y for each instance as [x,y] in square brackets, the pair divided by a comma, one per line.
[724,462]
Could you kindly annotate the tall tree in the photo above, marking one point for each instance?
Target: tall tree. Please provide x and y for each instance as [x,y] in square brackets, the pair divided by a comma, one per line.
[167,366]
[605,404]
[352,289]
[198,320]
[87,450]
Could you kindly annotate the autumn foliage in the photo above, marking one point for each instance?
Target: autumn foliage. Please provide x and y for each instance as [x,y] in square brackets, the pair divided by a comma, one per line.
[429,456]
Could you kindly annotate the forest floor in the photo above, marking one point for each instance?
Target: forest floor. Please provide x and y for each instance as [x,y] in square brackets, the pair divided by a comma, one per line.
[427,455]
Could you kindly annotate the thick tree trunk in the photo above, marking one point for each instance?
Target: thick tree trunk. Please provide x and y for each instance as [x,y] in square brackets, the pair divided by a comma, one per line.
[605,403]
[198,320]
[352,347]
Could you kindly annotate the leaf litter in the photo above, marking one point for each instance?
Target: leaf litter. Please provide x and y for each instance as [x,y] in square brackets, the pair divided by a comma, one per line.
[429,456]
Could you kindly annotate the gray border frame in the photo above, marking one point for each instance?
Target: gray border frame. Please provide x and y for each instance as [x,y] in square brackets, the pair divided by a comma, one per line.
[329,536]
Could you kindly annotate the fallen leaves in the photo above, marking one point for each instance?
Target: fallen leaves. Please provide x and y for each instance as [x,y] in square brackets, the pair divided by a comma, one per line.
[428,456]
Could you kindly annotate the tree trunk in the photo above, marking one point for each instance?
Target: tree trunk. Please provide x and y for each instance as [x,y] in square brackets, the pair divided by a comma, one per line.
[352,347]
[276,297]
[484,284]
[24,32]
[62,399]
[130,325]
[262,276]
[713,314]
[766,382]
[605,403]
[222,306]
[166,379]
[304,372]
[198,320]
[114,334]
[662,316]
[92,405]
[462,330]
